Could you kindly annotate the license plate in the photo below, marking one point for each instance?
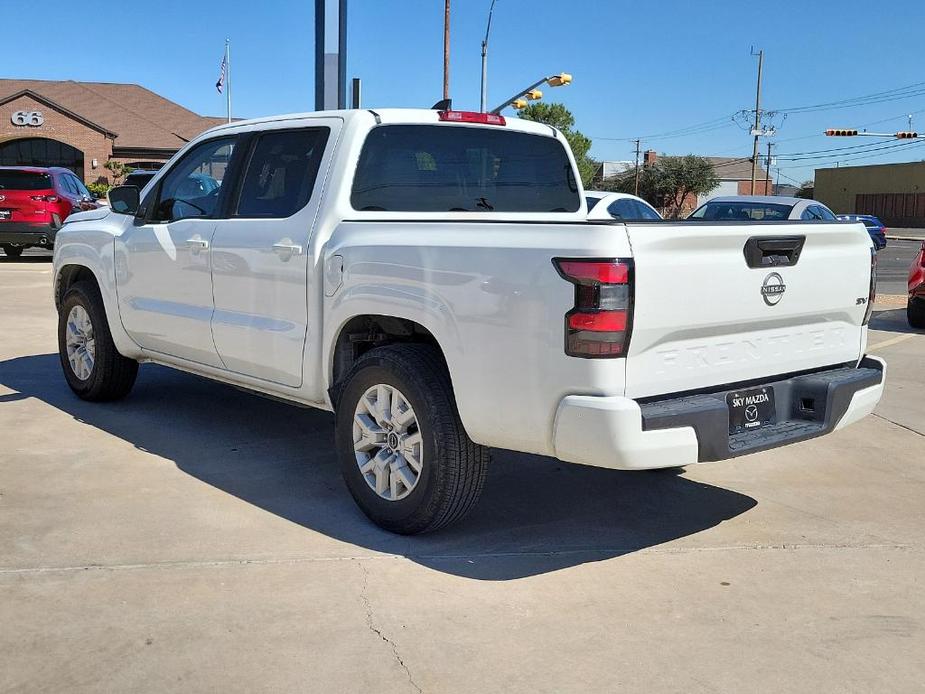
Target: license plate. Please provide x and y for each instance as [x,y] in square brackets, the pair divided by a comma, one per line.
[750,409]
[5,214]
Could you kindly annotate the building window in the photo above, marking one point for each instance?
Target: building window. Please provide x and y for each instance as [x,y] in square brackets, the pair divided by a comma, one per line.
[40,151]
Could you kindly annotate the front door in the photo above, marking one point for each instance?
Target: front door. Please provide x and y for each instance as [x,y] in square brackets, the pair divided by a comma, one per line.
[260,255]
[163,266]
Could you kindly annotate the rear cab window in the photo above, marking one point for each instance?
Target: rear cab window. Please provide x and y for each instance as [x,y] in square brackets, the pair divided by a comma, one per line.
[742,211]
[439,168]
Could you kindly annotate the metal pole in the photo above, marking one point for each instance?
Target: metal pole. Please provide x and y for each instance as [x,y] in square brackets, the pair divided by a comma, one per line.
[319,55]
[757,119]
[484,90]
[636,184]
[446,49]
[342,54]
[228,77]
[767,173]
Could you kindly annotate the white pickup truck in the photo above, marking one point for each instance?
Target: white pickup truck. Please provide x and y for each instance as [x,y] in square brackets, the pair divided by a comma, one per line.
[430,276]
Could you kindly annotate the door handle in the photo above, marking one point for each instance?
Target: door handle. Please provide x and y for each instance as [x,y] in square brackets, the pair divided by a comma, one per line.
[288,249]
[197,244]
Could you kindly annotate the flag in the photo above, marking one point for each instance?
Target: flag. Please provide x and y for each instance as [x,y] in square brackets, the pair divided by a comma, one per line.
[220,85]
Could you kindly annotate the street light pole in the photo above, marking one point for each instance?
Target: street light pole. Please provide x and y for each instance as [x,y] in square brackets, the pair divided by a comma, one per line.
[560,80]
[484,91]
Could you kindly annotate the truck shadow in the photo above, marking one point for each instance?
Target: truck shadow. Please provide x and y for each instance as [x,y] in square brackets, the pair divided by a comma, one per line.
[537,514]
[891,320]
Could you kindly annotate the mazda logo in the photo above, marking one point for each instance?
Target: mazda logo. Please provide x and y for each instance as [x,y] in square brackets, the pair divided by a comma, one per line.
[751,413]
[772,289]
[2,198]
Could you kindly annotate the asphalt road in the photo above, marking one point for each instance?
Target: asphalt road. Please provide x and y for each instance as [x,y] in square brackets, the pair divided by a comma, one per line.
[197,538]
[893,266]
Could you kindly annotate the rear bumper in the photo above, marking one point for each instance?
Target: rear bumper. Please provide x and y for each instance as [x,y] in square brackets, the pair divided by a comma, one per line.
[619,433]
[24,234]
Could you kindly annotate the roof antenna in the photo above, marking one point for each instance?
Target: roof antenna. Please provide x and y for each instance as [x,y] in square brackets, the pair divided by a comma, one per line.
[443,105]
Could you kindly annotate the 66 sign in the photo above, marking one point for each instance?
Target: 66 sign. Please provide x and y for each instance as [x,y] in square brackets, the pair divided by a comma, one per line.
[30,118]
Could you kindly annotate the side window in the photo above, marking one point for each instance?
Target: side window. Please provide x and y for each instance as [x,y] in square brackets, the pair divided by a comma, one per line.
[623,208]
[825,213]
[81,188]
[191,187]
[281,173]
[809,213]
[68,184]
[645,212]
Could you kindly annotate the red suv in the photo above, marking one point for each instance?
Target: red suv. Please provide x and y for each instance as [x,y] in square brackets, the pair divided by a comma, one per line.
[915,309]
[34,202]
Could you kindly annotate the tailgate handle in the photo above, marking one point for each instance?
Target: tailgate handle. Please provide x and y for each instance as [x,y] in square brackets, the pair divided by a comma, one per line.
[773,251]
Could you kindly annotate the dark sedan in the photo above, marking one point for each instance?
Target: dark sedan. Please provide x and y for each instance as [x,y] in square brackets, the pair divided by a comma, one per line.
[874,227]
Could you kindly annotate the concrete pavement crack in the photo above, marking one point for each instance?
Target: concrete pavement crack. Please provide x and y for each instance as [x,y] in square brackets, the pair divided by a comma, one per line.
[378,632]
[901,426]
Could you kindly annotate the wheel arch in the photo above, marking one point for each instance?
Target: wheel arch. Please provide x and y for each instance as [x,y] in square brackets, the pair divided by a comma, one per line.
[362,332]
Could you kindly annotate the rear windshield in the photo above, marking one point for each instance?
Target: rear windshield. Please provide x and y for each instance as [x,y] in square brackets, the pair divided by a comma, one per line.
[432,168]
[24,180]
[722,211]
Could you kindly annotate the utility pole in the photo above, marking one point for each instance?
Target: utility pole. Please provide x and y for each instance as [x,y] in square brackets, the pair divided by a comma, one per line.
[767,177]
[446,49]
[757,117]
[636,182]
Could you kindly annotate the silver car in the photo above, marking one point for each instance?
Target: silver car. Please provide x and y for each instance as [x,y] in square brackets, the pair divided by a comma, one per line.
[758,207]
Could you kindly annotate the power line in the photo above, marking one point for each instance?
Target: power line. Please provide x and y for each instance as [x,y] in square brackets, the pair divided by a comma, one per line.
[908,91]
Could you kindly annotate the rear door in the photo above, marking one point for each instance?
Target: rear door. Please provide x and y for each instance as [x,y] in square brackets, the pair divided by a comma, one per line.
[260,260]
[719,303]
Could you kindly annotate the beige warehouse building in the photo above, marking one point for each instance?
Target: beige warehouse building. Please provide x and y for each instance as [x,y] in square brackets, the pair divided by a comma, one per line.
[893,192]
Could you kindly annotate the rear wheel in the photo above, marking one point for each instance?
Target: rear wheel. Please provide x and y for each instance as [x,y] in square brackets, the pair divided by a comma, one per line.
[12,251]
[93,367]
[915,312]
[404,454]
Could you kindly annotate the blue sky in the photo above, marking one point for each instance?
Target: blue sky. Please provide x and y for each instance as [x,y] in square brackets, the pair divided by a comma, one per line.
[640,68]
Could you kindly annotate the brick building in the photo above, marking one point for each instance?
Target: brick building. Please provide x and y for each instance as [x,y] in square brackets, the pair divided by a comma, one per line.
[82,125]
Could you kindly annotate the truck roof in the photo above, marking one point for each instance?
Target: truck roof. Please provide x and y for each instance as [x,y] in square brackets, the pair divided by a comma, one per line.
[392,116]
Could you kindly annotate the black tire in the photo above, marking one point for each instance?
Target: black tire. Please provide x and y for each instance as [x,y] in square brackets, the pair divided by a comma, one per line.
[453,469]
[112,375]
[915,312]
[12,251]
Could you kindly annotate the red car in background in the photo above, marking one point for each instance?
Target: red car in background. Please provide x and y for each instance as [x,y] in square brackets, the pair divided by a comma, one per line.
[915,309]
[34,202]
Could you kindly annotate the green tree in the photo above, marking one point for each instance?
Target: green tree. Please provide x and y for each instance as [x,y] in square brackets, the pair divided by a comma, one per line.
[669,182]
[806,190]
[558,116]
[118,170]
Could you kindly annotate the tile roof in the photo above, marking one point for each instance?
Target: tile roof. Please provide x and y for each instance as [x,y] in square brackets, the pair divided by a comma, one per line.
[138,116]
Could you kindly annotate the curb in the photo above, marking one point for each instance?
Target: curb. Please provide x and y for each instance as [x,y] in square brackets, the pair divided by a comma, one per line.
[905,238]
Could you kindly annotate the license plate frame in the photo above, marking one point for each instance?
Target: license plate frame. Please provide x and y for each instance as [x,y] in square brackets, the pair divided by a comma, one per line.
[750,409]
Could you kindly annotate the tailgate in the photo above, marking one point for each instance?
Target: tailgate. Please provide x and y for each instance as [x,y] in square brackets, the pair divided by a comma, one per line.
[713,307]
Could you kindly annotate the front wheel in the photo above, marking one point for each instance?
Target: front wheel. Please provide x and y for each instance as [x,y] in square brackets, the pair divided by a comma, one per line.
[93,367]
[915,312]
[404,454]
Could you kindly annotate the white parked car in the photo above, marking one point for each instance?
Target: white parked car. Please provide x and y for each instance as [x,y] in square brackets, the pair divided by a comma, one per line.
[762,208]
[431,278]
[620,206]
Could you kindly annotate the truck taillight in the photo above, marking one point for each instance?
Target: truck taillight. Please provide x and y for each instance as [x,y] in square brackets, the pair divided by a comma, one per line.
[600,323]
[872,292]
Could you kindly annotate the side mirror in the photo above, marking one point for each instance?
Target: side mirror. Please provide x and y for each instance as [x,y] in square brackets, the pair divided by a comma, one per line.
[124,199]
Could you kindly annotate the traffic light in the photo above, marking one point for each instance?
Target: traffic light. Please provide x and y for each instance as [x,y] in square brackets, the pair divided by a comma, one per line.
[840,133]
[534,94]
[905,135]
[519,103]
[560,80]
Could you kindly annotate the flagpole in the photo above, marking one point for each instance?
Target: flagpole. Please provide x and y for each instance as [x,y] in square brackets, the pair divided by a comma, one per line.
[228,75]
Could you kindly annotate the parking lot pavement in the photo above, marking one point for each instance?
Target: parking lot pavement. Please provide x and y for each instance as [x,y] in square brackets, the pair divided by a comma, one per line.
[195,537]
